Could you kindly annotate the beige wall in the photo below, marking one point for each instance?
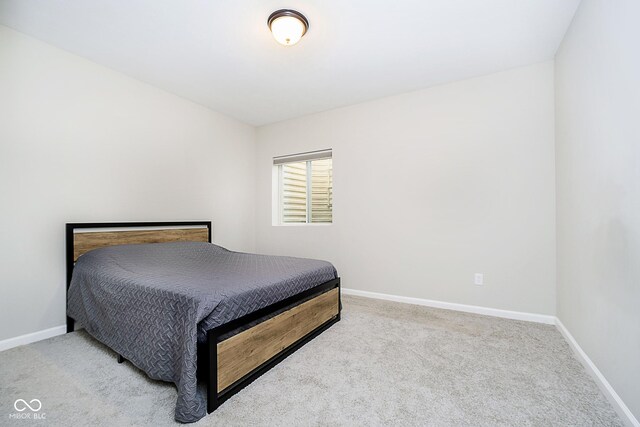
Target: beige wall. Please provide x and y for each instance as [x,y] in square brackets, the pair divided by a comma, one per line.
[79,142]
[598,189]
[431,187]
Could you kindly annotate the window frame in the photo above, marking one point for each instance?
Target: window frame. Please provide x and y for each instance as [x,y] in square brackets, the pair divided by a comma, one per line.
[278,184]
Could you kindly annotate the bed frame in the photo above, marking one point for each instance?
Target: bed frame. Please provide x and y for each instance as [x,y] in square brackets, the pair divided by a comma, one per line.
[232,361]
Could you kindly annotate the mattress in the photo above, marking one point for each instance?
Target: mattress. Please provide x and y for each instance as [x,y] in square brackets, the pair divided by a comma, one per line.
[153,303]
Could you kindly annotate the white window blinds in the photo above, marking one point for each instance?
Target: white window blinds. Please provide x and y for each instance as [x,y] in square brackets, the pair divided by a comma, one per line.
[301,157]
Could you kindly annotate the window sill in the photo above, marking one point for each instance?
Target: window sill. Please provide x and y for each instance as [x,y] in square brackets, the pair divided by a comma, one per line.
[300,224]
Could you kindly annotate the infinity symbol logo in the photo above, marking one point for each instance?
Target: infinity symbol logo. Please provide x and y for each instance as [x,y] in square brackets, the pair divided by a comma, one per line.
[26,405]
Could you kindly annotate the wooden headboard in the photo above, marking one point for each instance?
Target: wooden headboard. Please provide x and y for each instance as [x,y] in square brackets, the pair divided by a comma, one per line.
[85,242]
[84,237]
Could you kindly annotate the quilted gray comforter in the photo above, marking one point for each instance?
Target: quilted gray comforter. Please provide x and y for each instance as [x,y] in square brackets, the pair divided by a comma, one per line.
[153,303]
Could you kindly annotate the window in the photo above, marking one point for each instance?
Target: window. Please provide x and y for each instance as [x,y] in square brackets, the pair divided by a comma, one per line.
[303,188]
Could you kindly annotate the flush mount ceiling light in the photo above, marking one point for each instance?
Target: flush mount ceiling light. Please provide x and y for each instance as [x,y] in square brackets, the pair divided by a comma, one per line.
[287,26]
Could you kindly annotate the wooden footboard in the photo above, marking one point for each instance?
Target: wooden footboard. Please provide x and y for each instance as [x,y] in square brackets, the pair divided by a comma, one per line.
[236,361]
[244,352]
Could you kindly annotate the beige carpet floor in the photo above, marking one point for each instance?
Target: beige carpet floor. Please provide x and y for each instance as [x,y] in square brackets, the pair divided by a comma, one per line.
[384,364]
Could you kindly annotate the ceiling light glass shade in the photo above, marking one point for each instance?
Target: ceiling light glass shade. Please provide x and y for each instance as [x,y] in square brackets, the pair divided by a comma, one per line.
[287,26]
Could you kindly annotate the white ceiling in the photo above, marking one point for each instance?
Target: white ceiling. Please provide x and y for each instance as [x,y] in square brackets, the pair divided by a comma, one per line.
[220,53]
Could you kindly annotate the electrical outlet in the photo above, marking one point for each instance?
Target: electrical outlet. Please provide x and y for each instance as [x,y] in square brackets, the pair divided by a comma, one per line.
[478,279]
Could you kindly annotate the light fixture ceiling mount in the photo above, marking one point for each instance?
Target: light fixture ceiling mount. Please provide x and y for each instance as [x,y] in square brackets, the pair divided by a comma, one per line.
[287,26]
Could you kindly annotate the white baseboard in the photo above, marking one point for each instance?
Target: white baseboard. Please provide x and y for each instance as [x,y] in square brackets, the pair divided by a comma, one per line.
[601,381]
[507,314]
[32,337]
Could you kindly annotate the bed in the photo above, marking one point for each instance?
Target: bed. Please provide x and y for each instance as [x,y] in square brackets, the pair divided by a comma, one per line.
[184,310]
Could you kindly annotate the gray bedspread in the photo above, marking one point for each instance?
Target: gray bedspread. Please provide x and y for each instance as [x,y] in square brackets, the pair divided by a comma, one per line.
[153,303]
